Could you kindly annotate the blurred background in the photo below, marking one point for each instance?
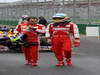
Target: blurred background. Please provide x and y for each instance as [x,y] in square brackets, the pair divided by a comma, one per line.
[80,11]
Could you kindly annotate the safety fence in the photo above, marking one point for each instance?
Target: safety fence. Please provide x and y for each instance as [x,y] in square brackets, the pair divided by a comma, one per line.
[80,11]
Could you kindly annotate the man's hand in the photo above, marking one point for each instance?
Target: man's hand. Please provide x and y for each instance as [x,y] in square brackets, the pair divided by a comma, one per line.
[49,41]
[76,44]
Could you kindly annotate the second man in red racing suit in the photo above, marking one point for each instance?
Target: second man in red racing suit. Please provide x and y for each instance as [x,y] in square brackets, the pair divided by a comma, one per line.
[31,30]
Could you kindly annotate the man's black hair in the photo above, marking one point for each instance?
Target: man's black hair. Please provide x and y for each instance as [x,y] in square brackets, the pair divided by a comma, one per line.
[28,19]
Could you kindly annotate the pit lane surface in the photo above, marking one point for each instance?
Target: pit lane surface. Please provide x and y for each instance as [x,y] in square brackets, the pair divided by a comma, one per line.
[86,61]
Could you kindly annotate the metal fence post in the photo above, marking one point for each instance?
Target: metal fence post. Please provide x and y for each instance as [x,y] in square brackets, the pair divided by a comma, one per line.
[89,14]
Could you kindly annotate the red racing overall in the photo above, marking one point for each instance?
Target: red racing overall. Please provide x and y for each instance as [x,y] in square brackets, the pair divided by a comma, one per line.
[61,40]
[31,52]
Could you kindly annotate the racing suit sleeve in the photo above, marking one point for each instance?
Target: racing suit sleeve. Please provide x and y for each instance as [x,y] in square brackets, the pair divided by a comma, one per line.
[38,28]
[75,32]
[17,29]
[41,29]
[49,31]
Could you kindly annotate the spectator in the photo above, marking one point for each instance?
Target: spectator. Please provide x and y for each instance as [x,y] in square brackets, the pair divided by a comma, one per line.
[42,20]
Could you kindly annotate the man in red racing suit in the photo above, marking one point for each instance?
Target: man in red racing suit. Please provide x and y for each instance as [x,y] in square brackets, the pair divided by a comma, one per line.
[58,34]
[32,30]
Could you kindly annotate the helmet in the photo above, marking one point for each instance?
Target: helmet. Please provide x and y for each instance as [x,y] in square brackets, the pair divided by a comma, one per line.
[60,17]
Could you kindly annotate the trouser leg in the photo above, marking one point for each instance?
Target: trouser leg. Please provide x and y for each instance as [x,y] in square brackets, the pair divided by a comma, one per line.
[56,46]
[34,54]
[26,53]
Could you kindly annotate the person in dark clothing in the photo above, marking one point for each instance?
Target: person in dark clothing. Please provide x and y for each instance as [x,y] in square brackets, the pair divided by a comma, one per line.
[42,20]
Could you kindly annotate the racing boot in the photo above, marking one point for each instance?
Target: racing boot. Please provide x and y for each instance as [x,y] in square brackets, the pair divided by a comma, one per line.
[69,62]
[34,64]
[27,62]
[60,63]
